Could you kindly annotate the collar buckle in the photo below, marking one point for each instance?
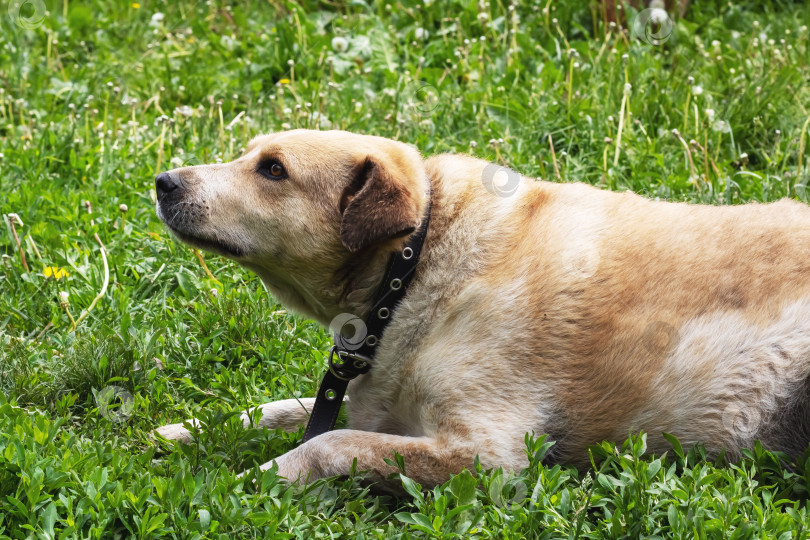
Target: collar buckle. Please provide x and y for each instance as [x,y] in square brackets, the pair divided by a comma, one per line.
[346,365]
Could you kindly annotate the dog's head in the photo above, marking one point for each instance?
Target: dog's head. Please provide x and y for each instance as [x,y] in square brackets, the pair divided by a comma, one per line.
[298,205]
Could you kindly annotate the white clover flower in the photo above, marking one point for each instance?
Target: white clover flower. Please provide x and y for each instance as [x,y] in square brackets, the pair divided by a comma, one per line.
[321,119]
[722,126]
[340,44]
[709,114]
[658,16]
[628,88]
[420,33]
[697,90]
[157,19]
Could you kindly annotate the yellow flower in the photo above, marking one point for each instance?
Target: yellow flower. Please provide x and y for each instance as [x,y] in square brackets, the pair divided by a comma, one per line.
[284,81]
[55,272]
[136,5]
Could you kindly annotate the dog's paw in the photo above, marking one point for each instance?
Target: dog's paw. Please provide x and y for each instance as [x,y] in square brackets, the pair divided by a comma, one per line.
[175,432]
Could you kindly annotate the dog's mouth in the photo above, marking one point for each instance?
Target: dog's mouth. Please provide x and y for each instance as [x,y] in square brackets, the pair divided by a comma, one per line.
[209,244]
[190,233]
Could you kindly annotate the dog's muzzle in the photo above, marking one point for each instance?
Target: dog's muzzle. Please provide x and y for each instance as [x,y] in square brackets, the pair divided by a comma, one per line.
[186,215]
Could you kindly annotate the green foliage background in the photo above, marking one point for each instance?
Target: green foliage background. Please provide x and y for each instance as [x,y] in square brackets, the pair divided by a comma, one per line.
[96,97]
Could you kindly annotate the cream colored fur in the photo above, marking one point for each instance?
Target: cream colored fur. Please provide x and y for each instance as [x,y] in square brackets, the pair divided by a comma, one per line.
[559,309]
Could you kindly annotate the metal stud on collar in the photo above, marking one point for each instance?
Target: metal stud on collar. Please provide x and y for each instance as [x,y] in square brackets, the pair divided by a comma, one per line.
[407,253]
[383,313]
[371,340]
[396,284]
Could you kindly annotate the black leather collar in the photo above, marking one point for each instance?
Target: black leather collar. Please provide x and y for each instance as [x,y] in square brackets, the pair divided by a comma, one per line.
[348,360]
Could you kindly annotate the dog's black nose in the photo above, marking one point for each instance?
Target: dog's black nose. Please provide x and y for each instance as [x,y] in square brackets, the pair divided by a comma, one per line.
[165,183]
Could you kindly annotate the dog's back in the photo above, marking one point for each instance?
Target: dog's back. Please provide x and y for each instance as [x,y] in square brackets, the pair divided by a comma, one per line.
[644,315]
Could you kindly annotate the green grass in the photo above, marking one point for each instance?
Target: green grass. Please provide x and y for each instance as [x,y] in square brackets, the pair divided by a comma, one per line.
[99,96]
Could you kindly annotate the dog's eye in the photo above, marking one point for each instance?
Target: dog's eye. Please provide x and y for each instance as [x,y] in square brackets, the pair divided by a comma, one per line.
[272,170]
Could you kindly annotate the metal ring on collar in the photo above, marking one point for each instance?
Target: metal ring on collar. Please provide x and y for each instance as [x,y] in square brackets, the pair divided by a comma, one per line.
[339,374]
[407,253]
[396,284]
[383,313]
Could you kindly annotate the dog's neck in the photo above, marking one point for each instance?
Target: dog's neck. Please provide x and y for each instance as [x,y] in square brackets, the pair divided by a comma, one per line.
[324,290]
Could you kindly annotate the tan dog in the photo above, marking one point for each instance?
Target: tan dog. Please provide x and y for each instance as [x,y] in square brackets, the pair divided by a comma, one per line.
[552,308]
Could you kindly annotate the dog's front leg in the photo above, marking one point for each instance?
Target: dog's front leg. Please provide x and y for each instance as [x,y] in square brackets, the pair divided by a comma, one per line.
[429,461]
[286,414]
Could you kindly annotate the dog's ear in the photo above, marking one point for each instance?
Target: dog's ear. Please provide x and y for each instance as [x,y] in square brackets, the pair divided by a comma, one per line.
[383,201]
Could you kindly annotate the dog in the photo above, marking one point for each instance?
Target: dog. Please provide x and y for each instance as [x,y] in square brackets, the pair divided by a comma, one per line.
[553,308]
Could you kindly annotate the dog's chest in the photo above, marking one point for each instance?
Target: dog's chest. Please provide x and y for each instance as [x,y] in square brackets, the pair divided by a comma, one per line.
[383,406]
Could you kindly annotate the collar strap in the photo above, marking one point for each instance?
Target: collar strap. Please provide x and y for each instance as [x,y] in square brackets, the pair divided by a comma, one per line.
[348,359]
